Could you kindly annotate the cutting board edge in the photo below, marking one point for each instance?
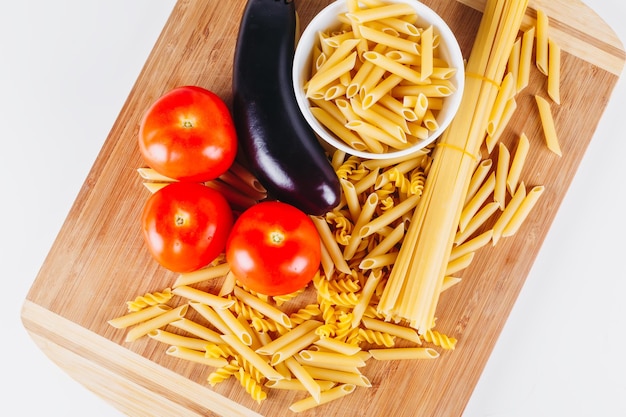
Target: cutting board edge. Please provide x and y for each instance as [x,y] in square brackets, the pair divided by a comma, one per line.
[86,191]
[80,353]
[609,53]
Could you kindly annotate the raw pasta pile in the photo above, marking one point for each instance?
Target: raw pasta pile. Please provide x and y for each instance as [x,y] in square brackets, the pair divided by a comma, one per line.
[495,62]
[378,81]
[319,340]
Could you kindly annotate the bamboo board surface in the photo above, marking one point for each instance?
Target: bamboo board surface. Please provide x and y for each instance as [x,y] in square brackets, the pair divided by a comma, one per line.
[99,261]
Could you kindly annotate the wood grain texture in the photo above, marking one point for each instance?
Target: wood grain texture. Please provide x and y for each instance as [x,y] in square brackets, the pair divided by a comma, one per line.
[98,260]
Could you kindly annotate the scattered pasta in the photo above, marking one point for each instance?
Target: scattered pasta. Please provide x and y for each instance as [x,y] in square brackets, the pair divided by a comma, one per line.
[318,340]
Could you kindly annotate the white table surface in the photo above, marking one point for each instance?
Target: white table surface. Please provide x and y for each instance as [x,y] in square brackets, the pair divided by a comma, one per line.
[66,68]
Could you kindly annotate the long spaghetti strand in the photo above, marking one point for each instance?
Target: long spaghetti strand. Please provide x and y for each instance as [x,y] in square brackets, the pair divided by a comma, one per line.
[415,282]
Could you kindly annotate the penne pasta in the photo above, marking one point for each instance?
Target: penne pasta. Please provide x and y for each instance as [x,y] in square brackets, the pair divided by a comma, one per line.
[293,347]
[459,264]
[378,119]
[472,207]
[471,246]
[331,360]
[382,12]
[547,124]
[178,340]
[136,317]
[525,60]
[325,397]
[351,197]
[200,296]
[157,322]
[343,133]
[449,281]
[393,42]
[330,244]
[244,187]
[541,47]
[254,358]
[507,88]
[364,218]
[397,330]
[383,88]
[204,274]
[389,216]
[153,187]
[508,213]
[509,109]
[514,61]
[477,179]
[235,326]
[247,177]
[523,210]
[477,221]
[554,71]
[378,261]
[295,385]
[197,329]
[211,316]
[324,78]
[517,164]
[502,172]
[344,45]
[187,354]
[355,378]
[305,379]
[150,174]
[263,307]
[338,346]
[228,285]
[427,45]
[392,354]
[284,340]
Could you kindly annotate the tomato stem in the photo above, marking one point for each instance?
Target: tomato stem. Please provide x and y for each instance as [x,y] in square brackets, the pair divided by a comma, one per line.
[181,218]
[276,237]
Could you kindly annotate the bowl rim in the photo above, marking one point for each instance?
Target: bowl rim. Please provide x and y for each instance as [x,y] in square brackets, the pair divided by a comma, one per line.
[302,56]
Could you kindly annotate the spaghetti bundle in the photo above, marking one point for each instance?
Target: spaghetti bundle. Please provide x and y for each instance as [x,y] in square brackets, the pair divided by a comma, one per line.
[415,282]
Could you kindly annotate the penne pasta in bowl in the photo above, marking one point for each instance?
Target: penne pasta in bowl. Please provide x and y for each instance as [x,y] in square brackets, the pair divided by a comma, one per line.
[378,79]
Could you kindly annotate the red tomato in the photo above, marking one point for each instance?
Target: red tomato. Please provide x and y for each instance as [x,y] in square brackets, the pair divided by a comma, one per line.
[186,225]
[274,248]
[188,134]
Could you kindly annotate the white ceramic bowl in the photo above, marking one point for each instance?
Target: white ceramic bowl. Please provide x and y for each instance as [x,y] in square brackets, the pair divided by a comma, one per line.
[328,19]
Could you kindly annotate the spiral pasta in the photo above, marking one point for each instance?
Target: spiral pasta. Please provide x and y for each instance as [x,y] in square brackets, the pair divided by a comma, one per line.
[326,330]
[223,373]
[282,299]
[304,314]
[213,350]
[344,326]
[346,168]
[439,339]
[263,325]
[344,285]
[250,369]
[376,337]
[150,299]
[251,386]
[417,180]
[328,310]
[239,308]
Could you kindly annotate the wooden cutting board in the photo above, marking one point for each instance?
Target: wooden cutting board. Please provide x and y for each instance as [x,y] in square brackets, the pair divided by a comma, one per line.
[98,261]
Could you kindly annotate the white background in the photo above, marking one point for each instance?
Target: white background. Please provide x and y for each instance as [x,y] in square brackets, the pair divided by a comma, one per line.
[66,68]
